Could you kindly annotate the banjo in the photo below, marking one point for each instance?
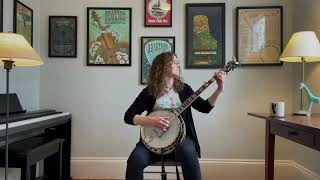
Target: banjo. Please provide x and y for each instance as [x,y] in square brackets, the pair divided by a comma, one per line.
[164,142]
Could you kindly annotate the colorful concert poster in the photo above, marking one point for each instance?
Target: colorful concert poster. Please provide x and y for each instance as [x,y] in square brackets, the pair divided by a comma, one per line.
[158,13]
[109,36]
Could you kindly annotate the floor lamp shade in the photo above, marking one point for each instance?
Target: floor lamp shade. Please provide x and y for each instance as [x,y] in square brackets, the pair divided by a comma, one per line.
[304,44]
[14,47]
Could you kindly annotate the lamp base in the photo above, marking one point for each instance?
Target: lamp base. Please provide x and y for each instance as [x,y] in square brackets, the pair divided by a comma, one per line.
[301,113]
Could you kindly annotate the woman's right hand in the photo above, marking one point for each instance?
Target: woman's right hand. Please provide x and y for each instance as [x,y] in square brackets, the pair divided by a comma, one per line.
[159,122]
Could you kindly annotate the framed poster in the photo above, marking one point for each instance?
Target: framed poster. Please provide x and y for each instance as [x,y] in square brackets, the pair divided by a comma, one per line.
[259,35]
[1,15]
[205,25]
[158,13]
[151,46]
[23,20]
[108,36]
[62,36]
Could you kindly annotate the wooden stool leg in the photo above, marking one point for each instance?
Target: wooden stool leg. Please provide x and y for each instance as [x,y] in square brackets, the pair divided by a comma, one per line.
[23,173]
[60,161]
[163,171]
[50,167]
[28,171]
[33,171]
[177,172]
[53,164]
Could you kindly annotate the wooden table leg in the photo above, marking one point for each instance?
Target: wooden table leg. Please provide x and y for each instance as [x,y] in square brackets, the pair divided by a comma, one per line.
[269,153]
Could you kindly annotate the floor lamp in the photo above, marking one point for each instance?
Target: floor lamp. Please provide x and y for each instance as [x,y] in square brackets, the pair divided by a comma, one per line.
[14,51]
[303,47]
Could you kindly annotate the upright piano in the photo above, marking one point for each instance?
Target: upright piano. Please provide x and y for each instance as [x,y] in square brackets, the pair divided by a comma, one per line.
[46,122]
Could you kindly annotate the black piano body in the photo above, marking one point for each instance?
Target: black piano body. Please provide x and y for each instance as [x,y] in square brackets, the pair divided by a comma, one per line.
[49,123]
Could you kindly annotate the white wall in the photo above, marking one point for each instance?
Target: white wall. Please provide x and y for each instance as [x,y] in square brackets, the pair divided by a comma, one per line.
[306,17]
[25,81]
[97,97]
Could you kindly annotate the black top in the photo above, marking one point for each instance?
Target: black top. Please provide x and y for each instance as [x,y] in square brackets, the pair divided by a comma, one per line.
[145,102]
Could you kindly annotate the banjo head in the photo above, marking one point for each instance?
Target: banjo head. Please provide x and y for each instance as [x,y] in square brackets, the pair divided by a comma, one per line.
[156,139]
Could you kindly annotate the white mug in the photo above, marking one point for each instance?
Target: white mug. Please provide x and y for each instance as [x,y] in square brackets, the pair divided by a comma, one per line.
[277,109]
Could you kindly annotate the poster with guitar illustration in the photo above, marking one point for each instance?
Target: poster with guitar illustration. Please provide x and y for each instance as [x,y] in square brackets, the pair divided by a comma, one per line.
[108,36]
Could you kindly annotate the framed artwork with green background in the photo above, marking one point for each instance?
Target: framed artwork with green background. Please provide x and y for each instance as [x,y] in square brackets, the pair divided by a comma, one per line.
[151,46]
[205,25]
[108,36]
[23,20]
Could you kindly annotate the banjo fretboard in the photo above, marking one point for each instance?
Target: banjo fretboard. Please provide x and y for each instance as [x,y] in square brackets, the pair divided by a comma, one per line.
[193,97]
[230,66]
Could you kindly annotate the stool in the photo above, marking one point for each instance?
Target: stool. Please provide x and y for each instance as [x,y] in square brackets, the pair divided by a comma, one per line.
[167,162]
[26,153]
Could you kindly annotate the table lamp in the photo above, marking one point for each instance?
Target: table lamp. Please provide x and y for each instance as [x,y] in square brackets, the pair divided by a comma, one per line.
[15,51]
[303,47]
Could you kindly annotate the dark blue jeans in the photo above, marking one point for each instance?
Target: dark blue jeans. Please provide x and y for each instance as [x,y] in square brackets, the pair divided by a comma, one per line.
[185,153]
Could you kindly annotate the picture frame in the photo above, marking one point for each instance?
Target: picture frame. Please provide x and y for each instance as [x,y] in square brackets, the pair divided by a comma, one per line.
[62,36]
[1,15]
[205,36]
[109,36]
[158,13]
[151,46]
[23,20]
[259,35]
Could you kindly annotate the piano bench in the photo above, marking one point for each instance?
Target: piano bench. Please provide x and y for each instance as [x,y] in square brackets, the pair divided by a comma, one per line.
[26,153]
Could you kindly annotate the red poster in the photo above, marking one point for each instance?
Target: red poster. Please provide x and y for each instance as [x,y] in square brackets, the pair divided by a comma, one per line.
[158,13]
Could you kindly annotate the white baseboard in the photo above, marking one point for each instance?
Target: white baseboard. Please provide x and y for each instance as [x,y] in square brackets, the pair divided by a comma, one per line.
[306,172]
[222,169]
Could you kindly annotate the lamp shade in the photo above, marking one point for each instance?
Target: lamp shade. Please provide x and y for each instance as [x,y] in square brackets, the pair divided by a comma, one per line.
[14,47]
[304,44]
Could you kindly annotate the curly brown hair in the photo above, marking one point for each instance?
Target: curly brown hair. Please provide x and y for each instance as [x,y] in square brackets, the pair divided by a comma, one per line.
[160,67]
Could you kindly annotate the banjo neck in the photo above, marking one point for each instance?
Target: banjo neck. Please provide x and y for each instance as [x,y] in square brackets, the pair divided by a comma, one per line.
[228,67]
[193,97]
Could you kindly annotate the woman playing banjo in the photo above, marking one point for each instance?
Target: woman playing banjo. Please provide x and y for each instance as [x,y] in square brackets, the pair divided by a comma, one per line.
[166,90]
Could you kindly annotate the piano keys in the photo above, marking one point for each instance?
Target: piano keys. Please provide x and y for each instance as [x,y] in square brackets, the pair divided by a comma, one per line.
[24,126]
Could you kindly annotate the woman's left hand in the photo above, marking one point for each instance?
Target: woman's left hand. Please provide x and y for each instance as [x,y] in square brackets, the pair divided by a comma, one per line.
[219,76]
